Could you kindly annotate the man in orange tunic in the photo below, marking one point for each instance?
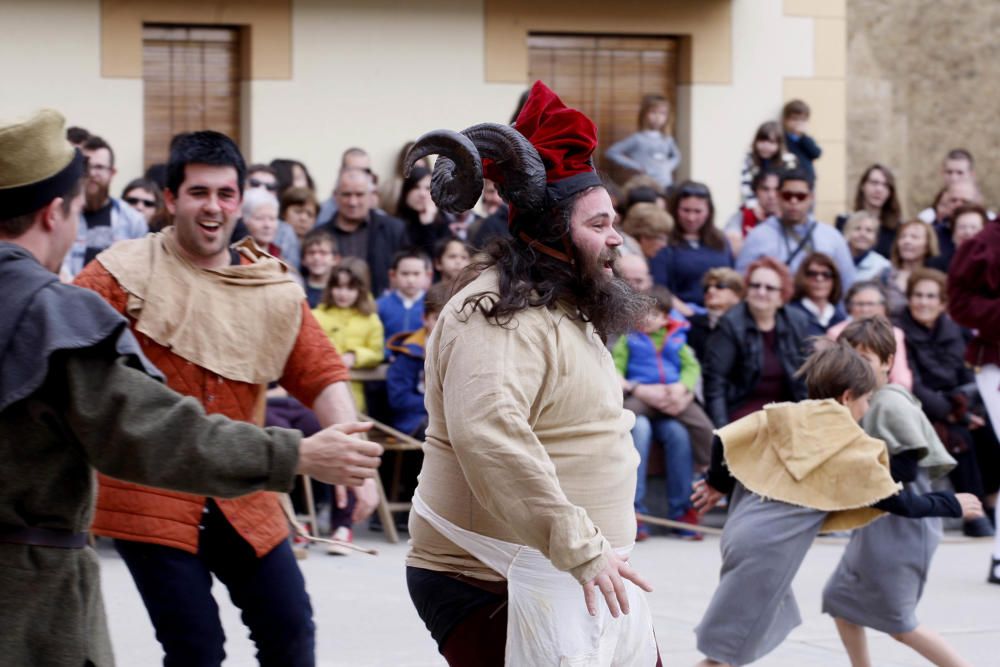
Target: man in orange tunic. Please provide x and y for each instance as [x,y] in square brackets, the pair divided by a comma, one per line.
[220,323]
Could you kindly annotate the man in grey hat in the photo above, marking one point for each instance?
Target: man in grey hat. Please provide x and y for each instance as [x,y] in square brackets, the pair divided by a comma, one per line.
[75,392]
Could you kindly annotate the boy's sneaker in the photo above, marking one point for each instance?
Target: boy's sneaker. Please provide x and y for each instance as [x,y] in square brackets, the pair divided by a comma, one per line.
[344,534]
[690,517]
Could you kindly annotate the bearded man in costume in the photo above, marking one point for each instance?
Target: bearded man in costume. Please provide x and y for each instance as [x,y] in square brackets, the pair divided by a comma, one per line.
[76,391]
[523,514]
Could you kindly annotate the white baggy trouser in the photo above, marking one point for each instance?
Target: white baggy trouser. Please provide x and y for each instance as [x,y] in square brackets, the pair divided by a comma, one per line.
[547,618]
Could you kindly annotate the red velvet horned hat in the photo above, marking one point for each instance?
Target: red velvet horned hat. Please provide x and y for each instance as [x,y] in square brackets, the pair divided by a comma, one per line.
[538,163]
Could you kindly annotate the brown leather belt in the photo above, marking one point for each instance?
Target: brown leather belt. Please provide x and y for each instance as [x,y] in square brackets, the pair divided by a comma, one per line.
[42,537]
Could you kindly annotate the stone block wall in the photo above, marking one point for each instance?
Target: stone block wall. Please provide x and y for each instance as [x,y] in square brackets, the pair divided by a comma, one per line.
[922,78]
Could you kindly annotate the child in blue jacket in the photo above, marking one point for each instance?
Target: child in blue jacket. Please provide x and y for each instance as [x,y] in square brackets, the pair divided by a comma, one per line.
[405,377]
[660,373]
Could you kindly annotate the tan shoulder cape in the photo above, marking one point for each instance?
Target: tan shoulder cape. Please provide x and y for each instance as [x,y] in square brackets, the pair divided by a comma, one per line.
[811,454]
[240,322]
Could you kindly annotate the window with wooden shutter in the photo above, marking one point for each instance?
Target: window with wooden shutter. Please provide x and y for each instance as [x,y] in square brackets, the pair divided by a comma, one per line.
[191,81]
[606,77]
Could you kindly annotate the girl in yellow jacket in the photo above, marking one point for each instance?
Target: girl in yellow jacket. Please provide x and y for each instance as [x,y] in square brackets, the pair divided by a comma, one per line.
[347,316]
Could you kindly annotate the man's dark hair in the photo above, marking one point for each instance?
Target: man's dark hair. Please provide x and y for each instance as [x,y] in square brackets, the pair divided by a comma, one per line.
[76,135]
[94,143]
[11,228]
[204,147]
[763,175]
[410,253]
[960,154]
[833,369]
[873,334]
[790,175]
[527,278]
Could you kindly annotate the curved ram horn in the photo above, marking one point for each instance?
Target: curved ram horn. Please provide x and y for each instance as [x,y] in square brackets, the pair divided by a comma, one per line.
[457,182]
[513,154]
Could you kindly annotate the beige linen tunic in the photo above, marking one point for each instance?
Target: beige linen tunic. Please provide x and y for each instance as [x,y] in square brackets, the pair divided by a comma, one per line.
[527,440]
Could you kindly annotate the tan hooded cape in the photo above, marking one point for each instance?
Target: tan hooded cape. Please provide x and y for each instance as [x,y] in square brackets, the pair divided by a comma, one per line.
[209,316]
[811,454]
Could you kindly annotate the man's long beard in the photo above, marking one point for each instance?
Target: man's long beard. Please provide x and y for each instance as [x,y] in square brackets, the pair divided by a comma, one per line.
[608,301]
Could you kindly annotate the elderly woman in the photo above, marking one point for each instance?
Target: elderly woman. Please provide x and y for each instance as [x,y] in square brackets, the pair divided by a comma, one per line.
[648,227]
[753,354]
[942,382]
[723,288]
[818,292]
[260,215]
[867,299]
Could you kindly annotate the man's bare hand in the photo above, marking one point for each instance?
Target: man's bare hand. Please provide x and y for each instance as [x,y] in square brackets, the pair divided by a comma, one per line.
[609,582]
[972,508]
[334,456]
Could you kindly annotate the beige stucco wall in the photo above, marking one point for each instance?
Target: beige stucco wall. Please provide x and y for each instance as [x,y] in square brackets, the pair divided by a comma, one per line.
[370,74]
[50,57]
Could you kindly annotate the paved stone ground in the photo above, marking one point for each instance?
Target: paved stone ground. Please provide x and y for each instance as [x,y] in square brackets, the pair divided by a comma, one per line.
[364,616]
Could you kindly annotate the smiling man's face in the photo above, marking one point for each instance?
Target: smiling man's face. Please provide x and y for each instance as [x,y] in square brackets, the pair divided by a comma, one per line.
[205,210]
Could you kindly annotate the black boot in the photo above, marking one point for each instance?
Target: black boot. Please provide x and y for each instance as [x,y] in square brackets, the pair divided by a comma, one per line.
[994,577]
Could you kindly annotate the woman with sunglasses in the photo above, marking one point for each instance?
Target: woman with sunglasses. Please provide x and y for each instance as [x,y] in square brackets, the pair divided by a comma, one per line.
[695,246]
[146,197]
[818,292]
[753,354]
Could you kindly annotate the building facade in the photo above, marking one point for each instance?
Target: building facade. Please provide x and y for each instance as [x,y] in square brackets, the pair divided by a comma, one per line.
[306,79]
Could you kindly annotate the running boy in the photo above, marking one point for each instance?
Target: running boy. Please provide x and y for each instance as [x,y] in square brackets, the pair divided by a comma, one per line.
[788,463]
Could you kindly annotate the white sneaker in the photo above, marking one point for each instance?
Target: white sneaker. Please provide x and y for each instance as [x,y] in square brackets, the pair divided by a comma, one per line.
[344,534]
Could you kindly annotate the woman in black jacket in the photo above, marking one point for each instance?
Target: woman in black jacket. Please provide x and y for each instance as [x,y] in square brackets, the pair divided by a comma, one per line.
[935,347]
[752,355]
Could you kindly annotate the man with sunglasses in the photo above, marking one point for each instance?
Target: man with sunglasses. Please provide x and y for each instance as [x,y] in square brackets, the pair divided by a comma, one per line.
[794,233]
[104,219]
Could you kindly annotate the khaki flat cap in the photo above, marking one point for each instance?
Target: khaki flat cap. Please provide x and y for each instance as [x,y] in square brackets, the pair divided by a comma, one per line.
[37,163]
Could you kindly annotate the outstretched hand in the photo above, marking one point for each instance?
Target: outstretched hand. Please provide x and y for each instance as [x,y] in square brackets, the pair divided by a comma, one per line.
[609,582]
[335,456]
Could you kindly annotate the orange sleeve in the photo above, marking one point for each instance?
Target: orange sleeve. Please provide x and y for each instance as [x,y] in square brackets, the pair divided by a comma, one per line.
[97,278]
[314,364]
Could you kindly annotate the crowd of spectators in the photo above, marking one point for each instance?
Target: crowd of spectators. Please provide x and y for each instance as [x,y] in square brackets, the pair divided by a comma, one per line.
[740,296]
